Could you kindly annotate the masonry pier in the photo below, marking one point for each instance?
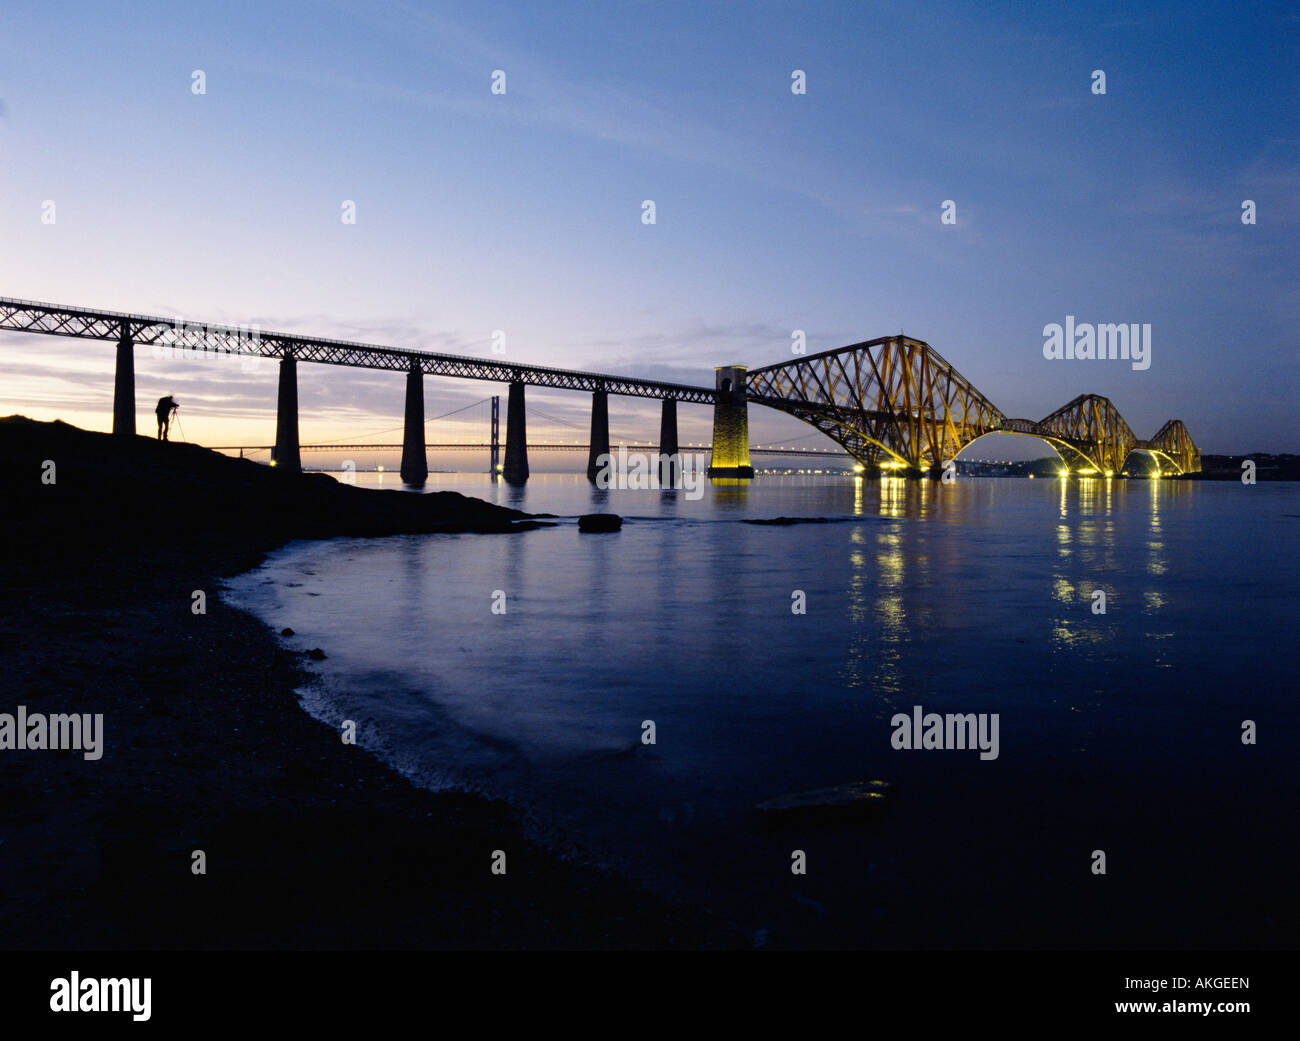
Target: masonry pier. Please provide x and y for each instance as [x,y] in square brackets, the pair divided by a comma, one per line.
[286,455]
[415,463]
[124,384]
[670,459]
[599,441]
[516,468]
[730,425]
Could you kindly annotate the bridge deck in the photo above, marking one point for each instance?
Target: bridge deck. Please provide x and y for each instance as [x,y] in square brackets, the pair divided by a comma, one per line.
[150,330]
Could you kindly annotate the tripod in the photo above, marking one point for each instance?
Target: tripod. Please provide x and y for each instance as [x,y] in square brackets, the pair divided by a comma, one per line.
[176,418]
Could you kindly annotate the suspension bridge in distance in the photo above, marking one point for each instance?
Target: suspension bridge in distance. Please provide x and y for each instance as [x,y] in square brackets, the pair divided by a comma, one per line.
[493,450]
[891,403]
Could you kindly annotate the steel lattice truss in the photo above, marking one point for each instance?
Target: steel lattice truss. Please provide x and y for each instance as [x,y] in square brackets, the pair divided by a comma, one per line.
[1175,444]
[1093,428]
[895,394]
[897,397]
[147,330]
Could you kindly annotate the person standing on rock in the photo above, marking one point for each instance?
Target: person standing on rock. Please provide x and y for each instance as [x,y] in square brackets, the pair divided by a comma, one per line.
[166,406]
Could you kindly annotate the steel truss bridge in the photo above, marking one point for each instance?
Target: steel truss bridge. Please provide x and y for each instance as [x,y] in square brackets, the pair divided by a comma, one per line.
[896,402]
[892,402]
[176,333]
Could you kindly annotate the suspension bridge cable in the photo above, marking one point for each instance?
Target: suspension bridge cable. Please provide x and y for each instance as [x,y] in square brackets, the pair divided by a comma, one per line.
[375,433]
[538,412]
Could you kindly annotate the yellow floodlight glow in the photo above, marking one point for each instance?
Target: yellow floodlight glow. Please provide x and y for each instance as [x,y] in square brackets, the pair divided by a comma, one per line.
[858,468]
[892,464]
[1065,473]
[1087,470]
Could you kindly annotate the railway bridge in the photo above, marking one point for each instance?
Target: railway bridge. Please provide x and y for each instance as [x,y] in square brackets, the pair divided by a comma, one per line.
[892,403]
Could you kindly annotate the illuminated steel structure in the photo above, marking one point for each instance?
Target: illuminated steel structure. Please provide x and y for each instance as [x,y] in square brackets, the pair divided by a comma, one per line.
[896,403]
[892,402]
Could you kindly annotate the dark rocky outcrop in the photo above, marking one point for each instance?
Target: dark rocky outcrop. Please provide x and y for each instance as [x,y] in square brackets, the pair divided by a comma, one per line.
[783,521]
[119,491]
[861,801]
[600,522]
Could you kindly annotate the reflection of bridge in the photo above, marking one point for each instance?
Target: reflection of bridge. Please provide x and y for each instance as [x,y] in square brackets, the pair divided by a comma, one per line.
[892,402]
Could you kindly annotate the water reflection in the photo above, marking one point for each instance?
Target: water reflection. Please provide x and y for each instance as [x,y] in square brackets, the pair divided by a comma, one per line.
[890,611]
[1156,564]
[729,492]
[893,492]
[977,592]
[1083,535]
[861,637]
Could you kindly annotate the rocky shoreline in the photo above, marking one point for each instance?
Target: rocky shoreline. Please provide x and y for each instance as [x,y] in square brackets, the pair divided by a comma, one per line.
[309,843]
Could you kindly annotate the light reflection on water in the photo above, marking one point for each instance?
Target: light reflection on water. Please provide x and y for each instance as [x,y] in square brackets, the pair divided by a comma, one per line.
[970,597]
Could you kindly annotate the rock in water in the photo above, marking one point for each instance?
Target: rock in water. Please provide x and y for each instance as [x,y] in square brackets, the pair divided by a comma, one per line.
[861,800]
[784,521]
[596,522]
[286,632]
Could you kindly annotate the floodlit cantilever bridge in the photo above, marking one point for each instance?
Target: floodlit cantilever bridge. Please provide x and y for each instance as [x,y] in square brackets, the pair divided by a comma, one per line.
[896,402]
[892,402]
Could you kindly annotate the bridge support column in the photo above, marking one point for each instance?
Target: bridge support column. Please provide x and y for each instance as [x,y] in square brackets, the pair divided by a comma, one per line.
[415,464]
[286,455]
[516,468]
[730,425]
[494,456]
[124,385]
[670,459]
[599,439]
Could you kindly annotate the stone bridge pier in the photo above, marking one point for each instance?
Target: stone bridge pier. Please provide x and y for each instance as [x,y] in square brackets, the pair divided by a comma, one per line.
[124,384]
[515,470]
[415,461]
[599,441]
[286,455]
[730,425]
[670,460]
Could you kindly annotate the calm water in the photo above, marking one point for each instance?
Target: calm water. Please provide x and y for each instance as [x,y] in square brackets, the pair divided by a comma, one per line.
[1118,732]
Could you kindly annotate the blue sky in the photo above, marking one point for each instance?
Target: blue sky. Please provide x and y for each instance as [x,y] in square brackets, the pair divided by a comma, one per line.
[774,211]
